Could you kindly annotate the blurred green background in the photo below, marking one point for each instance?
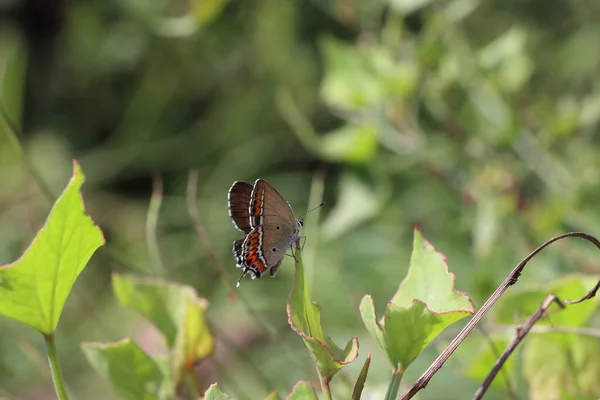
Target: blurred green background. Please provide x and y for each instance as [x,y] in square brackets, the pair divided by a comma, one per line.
[475,120]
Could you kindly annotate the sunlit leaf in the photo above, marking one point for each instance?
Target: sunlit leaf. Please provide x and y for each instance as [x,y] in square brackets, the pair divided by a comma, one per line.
[131,372]
[304,317]
[351,143]
[194,340]
[35,287]
[424,305]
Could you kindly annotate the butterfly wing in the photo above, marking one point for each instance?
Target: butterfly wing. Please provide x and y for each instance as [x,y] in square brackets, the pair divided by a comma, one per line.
[265,247]
[252,253]
[268,206]
[238,247]
[238,200]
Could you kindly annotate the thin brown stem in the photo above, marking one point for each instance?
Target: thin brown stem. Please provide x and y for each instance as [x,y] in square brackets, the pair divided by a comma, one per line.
[520,334]
[510,280]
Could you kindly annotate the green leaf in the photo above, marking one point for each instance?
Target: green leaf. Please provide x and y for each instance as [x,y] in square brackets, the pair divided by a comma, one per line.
[302,391]
[177,312]
[214,393]
[351,143]
[304,317]
[425,304]
[485,358]
[35,287]
[562,366]
[272,396]
[519,304]
[350,80]
[362,378]
[194,340]
[132,373]
[358,202]
[429,281]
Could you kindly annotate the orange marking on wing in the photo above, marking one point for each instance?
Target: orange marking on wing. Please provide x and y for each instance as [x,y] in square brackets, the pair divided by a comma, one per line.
[253,260]
[258,201]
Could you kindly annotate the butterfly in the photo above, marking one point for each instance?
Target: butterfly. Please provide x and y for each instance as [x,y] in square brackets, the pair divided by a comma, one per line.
[268,223]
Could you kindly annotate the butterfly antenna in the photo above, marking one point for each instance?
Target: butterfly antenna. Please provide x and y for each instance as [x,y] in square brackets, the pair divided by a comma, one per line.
[312,209]
[240,279]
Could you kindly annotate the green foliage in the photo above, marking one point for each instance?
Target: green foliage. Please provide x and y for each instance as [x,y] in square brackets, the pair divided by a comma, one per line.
[475,120]
[131,372]
[362,378]
[214,393]
[304,317]
[556,365]
[486,354]
[424,305]
[520,303]
[302,391]
[35,287]
[562,366]
[178,313]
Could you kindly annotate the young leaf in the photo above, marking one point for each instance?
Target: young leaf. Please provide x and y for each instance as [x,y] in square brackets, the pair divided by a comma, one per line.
[157,300]
[304,317]
[362,378]
[132,373]
[302,391]
[35,287]
[177,311]
[424,305]
[214,393]
[194,340]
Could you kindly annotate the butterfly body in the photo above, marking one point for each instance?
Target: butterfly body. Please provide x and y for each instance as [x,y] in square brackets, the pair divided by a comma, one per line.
[269,224]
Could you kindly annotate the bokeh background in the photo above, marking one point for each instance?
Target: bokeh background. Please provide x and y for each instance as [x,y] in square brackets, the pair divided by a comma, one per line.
[475,120]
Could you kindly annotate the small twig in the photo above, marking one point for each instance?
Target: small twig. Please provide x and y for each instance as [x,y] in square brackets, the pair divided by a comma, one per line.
[510,280]
[520,334]
[151,222]
[589,295]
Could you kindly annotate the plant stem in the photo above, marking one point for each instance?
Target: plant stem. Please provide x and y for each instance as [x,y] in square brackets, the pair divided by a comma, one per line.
[325,387]
[394,385]
[59,383]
